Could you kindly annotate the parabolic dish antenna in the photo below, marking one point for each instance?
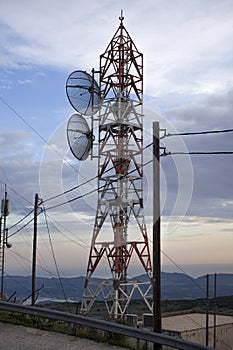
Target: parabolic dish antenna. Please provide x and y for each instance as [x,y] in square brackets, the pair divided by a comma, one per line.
[83,92]
[79,136]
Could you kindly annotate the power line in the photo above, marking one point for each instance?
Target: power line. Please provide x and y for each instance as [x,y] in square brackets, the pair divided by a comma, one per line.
[165,153]
[183,271]
[55,150]
[54,257]
[84,245]
[17,282]
[196,133]
[9,186]
[37,133]
[193,280]
[55,223]
[91,179]
[25,225]
[44,140]
[18,222]
[23,120]
[18,200]
[71,189]
[94,190]
[197,153]
[49,272]
[21,228]
[29,261]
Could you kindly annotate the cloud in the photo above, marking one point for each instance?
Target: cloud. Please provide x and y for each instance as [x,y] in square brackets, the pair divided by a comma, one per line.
[199,236]
[25,81]
[13,141]
[18,169]
[212,173]
[187,49]
[5,86]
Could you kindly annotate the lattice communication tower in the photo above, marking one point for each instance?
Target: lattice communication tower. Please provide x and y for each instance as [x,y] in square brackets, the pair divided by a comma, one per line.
[119,234]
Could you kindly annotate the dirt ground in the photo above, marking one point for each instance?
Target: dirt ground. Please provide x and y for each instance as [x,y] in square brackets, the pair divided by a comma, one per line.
[14,337]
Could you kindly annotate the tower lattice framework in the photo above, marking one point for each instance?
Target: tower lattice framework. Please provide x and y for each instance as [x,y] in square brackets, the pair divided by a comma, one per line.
[119,233]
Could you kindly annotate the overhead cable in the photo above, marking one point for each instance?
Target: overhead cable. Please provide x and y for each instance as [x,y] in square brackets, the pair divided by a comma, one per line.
[197,133]
[25,225]
[53,254]
[91,179]
[197,153]
[18,222]
[94,190]
[37,133]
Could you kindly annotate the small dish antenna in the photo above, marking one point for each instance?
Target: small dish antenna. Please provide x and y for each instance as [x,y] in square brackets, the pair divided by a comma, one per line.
[80,137]
[83,92]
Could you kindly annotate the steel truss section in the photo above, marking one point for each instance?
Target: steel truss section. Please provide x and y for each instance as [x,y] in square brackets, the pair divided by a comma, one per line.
[117,296]
[120,214]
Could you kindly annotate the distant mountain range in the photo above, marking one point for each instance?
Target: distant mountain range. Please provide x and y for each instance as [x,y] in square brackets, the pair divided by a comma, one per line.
[174,286]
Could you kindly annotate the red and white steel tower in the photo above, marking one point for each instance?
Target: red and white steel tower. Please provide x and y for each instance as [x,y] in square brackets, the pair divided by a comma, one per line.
[120,233]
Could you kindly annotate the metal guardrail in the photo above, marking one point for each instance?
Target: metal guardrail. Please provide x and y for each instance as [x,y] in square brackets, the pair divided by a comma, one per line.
[153,337]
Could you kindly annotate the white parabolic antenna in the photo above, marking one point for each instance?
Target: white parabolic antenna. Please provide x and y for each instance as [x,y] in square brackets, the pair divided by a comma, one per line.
[79,136]
[83,92]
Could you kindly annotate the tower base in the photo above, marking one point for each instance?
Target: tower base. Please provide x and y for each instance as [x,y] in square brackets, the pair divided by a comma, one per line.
[117,296]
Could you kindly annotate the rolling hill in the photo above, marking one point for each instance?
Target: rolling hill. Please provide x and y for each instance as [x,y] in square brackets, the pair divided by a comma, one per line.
[174,286]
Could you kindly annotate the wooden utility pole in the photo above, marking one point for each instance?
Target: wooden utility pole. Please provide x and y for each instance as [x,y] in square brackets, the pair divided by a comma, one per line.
[1,251]
[207,310]
[5,213]
[34,250]
[156,234]
[215,307]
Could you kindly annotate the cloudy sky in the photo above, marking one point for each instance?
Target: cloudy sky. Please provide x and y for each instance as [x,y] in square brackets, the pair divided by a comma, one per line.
[188,86]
